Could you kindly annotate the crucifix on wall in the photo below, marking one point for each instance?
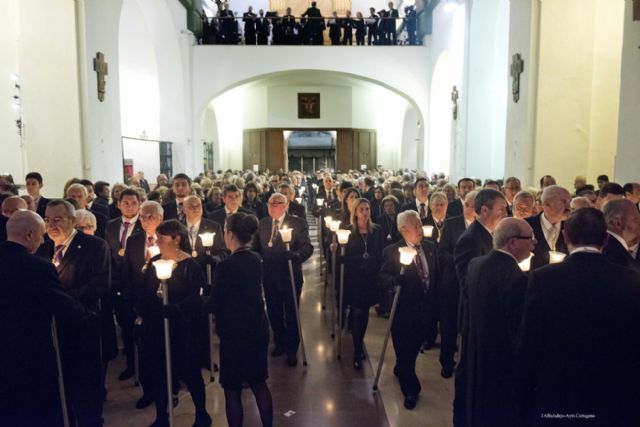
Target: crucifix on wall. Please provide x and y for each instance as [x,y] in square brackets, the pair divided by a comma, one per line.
[102,69]
[517,67]
[454,99]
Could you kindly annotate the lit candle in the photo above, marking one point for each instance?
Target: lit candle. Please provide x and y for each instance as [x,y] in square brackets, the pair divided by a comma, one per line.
[299,200]
[334,225]
[327,220]
[525,264]
[207,239]
[164,268]
[556,257]
[407,254]
[285,233]
[319,202]
[302,189]
[343,236]
[427,230]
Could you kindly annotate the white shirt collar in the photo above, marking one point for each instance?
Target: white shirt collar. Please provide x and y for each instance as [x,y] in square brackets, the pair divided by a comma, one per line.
[229,212]
[467,223]
[281,219]
[67,242]
[546,224]
[130,220]
[196,225]
[589,249]
[418,203]
[619,239]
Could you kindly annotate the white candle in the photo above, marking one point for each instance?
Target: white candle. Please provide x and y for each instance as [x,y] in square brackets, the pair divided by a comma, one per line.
[334,225]
[556,257]
[427,230]
[207,239]
[153,251]
[299,200]
[406,255]
[319,202]
[285,233]
[164,268]
[327,221]
[343,236]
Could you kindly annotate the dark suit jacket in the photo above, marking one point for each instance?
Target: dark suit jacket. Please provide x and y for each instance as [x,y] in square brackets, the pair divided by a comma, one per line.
[276,269]
[455,208]
[297,209]
[114,212]
[220,215]
[579,343]
[100,208]
[411,206]
[101,221]
[413,302]
[132,269]
[117,261]
[249,20]
[435,235]
[451,232]
[541,250]
[496,286]
[170,210]
[389,228]
[616,253]
[3,228]
[42,205]
[30,295]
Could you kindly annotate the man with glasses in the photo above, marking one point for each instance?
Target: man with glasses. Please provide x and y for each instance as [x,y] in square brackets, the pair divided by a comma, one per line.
[276,280]
[496,286]
[232,199]
[511,188]
[84,269]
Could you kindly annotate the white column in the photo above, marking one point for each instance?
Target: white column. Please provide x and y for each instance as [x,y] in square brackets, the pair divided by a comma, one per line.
[627,161]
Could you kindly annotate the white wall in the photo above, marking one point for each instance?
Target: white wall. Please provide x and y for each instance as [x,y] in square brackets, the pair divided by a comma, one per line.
[11,159]
[628,150]
[145,156]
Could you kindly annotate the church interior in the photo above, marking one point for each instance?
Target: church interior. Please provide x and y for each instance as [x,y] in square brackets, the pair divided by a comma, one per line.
[103,89]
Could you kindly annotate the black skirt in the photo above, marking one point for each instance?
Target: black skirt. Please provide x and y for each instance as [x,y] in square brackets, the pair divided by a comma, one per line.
[242,362]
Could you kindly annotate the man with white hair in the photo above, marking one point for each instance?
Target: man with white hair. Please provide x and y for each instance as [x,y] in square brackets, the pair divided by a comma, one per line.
[623,225]
[84,268]
[496,286]
[9,206]
[417,300]
[79,193]
[548,225]
[30,296]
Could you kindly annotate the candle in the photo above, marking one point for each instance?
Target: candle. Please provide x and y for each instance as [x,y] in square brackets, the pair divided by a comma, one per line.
[525,264]
[343,236]
[427,230]
[319,202]
[334,225]
[285,233]
[299,200]
[327,220]
[406,255]
[556,257]
[207,239]
[164,268]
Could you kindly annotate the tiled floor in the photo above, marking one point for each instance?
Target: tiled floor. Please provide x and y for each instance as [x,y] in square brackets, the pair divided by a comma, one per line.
[327,392]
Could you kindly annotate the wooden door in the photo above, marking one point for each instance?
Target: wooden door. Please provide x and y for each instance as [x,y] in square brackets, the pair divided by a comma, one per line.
[276,150]
[364,147]
[344,150]
[254,149]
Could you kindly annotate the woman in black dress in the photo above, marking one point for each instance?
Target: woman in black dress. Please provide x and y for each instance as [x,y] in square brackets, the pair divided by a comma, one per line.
[184,305]
[362,260]
[241,322]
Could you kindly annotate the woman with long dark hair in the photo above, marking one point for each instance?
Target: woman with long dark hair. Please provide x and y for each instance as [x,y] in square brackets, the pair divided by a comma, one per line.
[241,322]
[184,305]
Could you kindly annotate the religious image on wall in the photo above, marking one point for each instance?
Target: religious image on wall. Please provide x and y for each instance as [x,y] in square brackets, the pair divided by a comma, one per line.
[308,105]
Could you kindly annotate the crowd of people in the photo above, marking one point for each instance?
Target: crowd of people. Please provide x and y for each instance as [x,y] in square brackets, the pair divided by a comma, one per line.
[379,27]
[537,338]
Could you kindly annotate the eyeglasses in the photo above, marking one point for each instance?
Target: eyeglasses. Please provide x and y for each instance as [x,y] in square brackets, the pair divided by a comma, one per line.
[274,204]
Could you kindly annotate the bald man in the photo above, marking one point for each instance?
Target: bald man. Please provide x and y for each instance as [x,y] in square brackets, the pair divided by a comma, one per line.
[623,223]
[496,287]
[9,206]
[30,295]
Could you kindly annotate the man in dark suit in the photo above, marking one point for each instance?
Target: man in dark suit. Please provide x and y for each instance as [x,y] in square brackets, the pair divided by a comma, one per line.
[30,296]
[144,184]
[84,268]
[511,187]
[139,250]
[295,208]
[456,207]
[232,198]
[102,192]
[91,196]
[490,207]
[547,225]
[227,24]
[569,306]
[181,187]
[262,28]
[496,286]
[118,231]
[79,193]
[392,16]
[416,303]
[421,202]
[33,182]
[196,225]
[277,284]
[249,19]
[315,24]
[369,188]
[449,295]
[623,222]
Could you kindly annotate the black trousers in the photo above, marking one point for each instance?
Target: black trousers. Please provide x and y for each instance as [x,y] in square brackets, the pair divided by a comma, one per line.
[249,39]
[408,332]
[125,318]
[282,315]
[448,323]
